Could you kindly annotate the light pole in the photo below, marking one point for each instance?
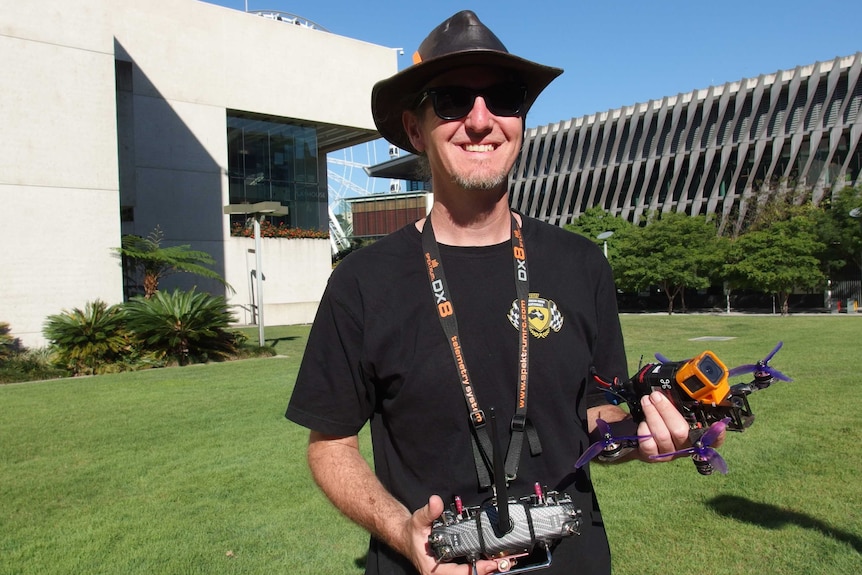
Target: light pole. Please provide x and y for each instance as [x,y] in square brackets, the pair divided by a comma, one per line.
[856,213]
[257,212]
[604,237]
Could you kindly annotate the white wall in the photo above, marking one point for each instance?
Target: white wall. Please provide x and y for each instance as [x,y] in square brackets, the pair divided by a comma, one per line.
[58,163]
[192,61]
[295,274]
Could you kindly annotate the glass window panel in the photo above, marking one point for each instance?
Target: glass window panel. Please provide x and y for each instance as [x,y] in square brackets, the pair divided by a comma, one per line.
[273,159]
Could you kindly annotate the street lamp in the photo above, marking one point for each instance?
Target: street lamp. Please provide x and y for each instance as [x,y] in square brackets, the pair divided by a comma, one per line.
[257,212]
[856,213]
[604,237]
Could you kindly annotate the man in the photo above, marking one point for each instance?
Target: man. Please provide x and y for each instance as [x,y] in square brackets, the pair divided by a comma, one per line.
[424,355]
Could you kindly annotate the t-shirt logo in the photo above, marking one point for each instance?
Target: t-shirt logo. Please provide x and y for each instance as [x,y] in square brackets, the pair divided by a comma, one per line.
[543,317]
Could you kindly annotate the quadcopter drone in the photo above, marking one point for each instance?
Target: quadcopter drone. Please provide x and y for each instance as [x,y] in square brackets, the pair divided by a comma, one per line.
[700,390]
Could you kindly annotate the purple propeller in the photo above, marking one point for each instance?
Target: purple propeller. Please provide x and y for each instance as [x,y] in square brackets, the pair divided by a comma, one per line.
[761,368]
[608,441]
[701,450]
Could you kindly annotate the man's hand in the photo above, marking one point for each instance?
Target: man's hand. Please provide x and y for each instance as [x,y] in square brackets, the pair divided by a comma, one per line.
[348,481]
[666,425]
[418,530]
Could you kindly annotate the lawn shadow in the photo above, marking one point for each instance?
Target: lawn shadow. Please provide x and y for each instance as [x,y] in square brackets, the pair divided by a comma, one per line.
[274,341]
[772,517]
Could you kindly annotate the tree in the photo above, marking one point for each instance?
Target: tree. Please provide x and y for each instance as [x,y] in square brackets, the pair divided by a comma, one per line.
[675,252]
[595,221]
[839,227]
[154,262]
[777,259]
[773,201]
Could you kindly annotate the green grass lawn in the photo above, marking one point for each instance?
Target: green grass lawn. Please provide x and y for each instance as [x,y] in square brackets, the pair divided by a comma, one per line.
[195,470]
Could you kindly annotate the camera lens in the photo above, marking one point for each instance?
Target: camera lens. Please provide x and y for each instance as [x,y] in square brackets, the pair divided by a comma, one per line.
[708,367]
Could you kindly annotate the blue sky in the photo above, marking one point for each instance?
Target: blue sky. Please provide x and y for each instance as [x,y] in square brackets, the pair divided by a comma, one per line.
[614,53]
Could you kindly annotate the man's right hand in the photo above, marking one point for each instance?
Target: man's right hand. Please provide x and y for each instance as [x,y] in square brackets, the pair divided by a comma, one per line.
[348,481]
[423,558]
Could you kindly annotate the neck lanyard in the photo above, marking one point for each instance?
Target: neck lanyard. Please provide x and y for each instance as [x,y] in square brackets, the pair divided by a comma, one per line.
[482,445]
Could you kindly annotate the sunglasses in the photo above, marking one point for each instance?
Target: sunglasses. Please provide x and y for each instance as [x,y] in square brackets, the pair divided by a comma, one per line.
[454,102]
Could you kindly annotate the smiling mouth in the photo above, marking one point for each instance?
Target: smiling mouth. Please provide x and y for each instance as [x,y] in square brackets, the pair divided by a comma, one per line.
[479,147]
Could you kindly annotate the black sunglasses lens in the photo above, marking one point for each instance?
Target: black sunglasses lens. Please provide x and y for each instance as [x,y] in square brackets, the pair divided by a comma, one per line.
[453,102]
[505,99]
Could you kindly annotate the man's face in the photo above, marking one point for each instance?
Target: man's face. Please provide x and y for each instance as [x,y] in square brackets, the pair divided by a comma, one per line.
[476,151]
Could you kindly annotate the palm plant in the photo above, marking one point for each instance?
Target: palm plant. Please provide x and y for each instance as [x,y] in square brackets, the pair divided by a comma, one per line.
[86,340]
[155,262]
[183,325]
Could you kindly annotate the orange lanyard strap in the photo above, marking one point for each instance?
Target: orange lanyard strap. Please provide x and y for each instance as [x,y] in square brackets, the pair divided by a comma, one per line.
[482,445]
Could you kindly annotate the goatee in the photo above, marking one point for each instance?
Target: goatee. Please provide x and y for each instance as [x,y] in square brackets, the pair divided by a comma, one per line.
[480,182]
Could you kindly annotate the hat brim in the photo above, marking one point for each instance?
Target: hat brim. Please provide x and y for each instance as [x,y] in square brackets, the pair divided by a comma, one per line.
[390,97]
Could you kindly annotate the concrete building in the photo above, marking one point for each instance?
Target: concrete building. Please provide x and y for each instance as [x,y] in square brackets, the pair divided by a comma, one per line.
[709,151]
[122,115]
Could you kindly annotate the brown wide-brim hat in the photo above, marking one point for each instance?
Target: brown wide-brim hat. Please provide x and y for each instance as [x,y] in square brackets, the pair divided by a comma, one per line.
[460,41]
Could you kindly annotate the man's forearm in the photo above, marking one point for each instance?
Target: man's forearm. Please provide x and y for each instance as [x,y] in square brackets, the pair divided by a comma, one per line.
[609,413]
[349,482]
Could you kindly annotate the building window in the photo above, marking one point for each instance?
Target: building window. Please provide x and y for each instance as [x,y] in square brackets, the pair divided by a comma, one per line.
[273,159]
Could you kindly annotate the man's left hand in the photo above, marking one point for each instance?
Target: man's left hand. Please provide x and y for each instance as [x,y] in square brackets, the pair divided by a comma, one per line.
[666,425]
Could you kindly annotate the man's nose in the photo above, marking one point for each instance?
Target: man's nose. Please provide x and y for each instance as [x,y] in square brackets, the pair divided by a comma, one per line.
[479,117]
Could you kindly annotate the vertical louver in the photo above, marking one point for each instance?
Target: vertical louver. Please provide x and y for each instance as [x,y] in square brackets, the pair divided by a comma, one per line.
[704,152]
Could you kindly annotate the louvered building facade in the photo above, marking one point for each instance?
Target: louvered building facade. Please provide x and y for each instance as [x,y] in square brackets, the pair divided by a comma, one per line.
[704,152]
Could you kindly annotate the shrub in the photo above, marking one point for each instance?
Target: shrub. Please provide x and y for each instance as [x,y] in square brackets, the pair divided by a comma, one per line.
[8,344]
[86,340]
[183,326]
[271,230]
[29,365]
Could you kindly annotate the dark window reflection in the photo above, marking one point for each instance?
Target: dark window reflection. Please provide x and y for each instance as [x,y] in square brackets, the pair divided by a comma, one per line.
[270,159]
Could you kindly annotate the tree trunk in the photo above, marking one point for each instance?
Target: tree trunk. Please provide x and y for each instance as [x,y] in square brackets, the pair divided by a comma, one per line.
[784,298]
[151,285]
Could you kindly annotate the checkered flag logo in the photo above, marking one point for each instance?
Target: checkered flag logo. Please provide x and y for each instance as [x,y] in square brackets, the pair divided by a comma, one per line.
[543,318]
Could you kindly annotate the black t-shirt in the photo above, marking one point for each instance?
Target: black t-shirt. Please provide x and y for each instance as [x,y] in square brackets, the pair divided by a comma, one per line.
[378,353]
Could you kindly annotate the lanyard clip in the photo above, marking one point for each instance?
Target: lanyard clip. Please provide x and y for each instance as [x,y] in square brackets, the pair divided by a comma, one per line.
[519,422]
[478,418]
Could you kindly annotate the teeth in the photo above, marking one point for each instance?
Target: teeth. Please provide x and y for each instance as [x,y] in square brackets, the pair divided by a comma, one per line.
[479,148]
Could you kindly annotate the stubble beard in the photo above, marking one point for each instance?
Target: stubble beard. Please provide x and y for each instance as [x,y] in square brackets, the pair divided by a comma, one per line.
[471,181]
[479,182]
[481,179]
